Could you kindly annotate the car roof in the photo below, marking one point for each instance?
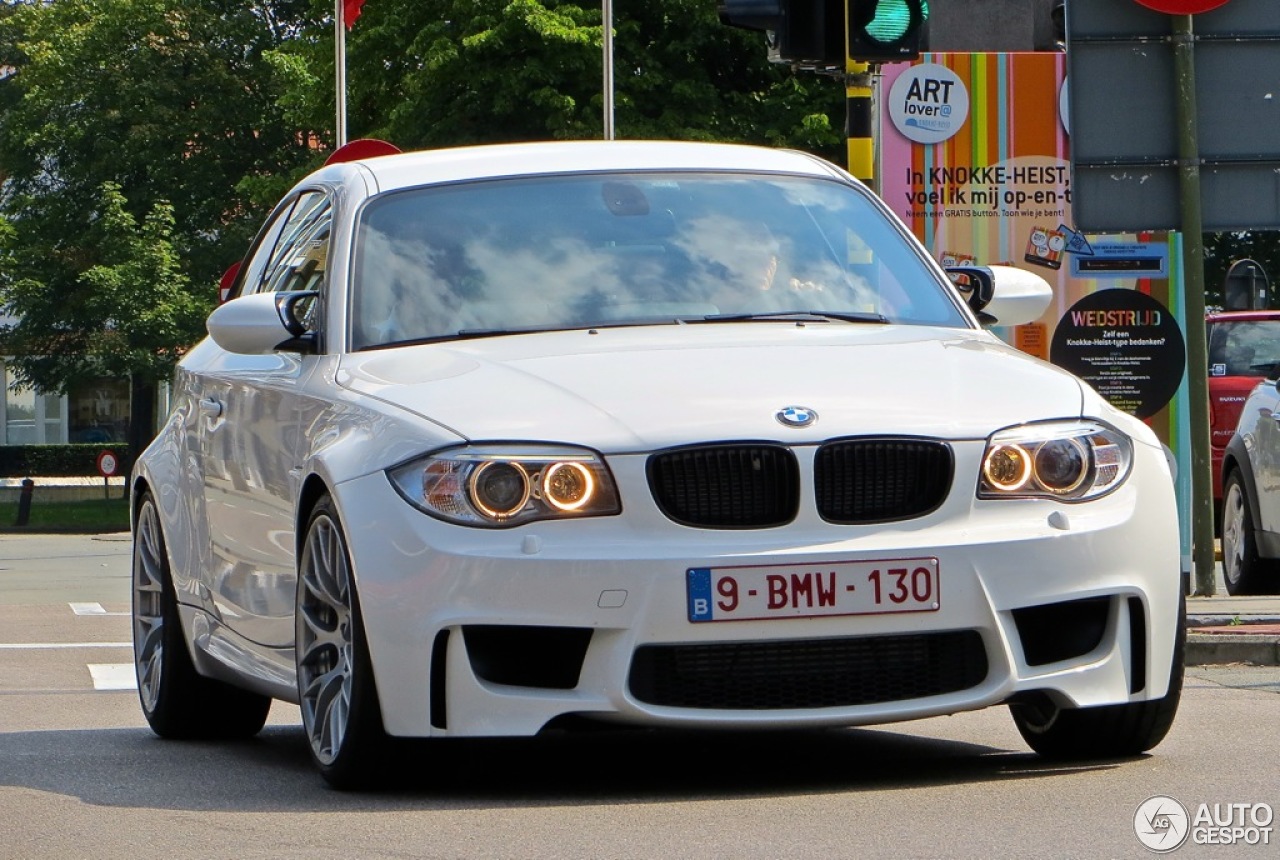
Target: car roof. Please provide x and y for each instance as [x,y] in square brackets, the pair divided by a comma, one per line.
[1241,316]
[390,172]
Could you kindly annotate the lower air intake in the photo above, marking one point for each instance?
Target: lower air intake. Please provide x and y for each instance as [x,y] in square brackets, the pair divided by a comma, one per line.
[808,673]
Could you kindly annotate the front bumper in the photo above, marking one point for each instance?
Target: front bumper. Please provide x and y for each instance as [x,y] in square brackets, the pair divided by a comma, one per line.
[476,632]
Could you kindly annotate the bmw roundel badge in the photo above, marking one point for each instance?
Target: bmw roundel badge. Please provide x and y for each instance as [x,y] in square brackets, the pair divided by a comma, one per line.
[796,416]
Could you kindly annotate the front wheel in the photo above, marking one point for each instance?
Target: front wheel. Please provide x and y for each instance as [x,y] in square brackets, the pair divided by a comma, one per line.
[1110,731]
[339,701]
[177,701]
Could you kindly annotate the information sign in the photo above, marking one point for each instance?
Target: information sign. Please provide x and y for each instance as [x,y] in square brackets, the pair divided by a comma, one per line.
[1123,114]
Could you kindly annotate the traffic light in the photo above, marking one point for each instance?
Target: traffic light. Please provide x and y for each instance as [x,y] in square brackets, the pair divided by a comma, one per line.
[886,31]
[805,32]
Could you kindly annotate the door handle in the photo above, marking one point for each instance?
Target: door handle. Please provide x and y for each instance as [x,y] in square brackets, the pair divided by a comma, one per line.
[210,407]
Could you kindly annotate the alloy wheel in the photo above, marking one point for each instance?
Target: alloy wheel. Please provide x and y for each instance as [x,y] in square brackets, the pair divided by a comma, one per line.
[148,606]
[1233,533]
[325,638]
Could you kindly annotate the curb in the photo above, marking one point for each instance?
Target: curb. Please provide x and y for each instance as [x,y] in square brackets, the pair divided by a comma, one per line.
[1208,649]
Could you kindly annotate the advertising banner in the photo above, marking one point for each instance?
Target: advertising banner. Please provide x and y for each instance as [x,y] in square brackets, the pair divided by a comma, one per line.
[974,159]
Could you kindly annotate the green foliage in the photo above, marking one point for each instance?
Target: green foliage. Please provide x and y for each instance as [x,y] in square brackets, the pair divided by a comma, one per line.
[170,100]
[137,138]
[142,141]
[1223,249]
[430,73]
[130,313]
[55,461]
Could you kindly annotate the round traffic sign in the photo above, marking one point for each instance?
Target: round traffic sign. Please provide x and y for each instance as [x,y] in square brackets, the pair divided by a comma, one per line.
[1182,7]
[108,464]
[365,147]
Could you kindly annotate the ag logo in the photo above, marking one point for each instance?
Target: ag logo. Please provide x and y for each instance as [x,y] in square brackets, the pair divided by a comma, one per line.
[928,103]
[1162,824]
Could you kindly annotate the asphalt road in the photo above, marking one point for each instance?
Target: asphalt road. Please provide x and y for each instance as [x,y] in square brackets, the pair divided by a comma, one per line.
[82,776]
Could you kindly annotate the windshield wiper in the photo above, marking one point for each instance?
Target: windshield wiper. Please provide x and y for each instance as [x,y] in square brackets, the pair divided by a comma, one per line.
[801,316]
[476,333]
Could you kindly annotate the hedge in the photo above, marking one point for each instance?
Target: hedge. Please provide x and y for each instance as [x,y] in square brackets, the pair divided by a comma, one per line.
[58,461]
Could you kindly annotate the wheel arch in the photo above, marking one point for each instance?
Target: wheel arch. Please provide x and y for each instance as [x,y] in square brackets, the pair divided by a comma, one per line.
[1236,459]
[137,488]
[313,489]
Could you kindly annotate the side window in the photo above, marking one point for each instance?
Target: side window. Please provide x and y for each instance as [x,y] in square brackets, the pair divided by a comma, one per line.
[300,257]
[251,276]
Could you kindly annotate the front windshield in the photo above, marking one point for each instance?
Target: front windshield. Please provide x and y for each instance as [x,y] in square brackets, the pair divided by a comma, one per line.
[622,249]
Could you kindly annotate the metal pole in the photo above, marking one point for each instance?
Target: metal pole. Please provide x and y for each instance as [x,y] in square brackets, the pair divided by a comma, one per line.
[859,91]
[860,83]
[1202,548]
[340,74]
[606,13]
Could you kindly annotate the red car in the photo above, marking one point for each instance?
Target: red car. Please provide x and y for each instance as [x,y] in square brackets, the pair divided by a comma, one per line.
[1244,346]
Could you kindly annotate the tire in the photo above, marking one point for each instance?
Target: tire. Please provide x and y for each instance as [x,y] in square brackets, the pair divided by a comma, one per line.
[336,690]
[1110,731]
[178,702]
[1244,571]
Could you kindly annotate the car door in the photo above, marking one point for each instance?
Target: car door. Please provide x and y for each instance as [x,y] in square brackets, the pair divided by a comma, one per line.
[1242,351]
[1261,417]
[250,447]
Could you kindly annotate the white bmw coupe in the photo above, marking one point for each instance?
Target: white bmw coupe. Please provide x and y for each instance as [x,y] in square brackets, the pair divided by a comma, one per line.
[493,439]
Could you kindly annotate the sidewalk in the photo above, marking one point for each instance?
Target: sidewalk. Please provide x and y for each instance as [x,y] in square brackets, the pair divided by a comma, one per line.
[54,490]
[1225,629]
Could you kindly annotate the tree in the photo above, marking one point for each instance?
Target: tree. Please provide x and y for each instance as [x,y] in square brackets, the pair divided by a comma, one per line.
[142,140]
[1223,249]
[134,138]
[429,73]
[131,316]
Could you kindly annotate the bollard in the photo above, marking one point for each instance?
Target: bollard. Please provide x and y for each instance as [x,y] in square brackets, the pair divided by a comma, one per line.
[24,501]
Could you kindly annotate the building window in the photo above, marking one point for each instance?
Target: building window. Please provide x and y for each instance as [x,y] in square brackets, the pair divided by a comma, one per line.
[94,412]
[31,418]
[20,416]
[98,411]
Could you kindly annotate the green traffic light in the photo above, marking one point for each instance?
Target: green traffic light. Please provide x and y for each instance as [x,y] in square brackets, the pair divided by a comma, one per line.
[892,20]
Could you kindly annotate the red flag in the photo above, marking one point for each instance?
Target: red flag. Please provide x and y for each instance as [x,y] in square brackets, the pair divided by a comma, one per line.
[351,11]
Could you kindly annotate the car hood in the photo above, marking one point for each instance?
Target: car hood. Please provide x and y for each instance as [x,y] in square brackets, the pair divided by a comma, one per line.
[635,389]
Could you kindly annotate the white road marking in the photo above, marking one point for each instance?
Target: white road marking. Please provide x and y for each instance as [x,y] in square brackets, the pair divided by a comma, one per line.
[38,646]
[92,609]
[113,676]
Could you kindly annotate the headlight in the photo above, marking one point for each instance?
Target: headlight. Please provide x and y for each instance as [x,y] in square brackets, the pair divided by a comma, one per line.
[1070,460]
[507,485]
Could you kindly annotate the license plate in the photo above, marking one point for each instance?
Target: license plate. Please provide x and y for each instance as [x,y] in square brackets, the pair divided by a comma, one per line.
[812,590]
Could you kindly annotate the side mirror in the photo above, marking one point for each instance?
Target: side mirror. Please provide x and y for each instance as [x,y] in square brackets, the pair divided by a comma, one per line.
[263,323]
[1002,295]
[978,286]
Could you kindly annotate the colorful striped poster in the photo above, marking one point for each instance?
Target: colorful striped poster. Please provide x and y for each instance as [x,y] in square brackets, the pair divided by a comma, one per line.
[974,157]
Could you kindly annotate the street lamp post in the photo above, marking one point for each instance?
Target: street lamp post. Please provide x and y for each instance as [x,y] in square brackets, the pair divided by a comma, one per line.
[606,13]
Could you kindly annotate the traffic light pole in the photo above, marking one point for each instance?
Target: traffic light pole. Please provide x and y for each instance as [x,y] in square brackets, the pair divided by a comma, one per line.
[1202,548]
[860,122]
